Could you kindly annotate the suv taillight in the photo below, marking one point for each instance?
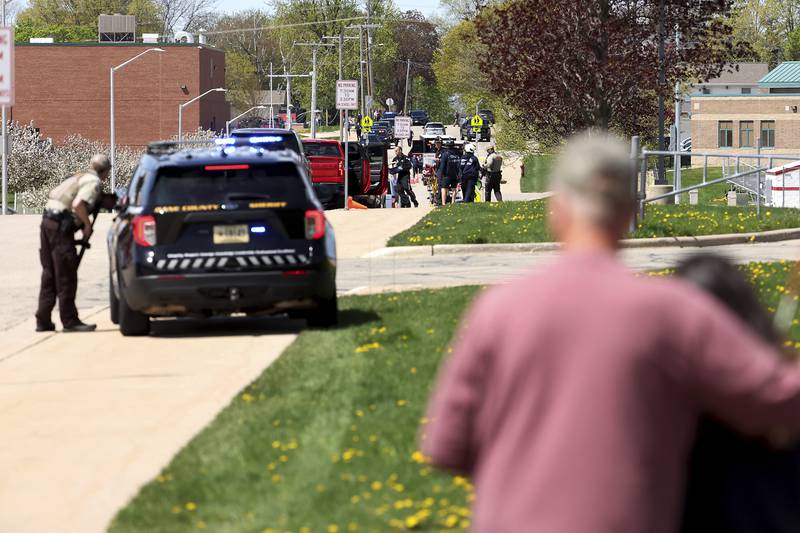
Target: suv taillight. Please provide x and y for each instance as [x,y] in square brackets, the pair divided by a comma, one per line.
[341,169]
[315,224]
[144,230]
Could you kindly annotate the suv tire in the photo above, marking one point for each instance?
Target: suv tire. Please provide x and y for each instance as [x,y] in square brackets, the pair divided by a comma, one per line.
[132,323]
[113,302]
[326,315]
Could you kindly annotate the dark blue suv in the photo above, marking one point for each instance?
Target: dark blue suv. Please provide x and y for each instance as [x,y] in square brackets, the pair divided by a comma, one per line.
[221,229]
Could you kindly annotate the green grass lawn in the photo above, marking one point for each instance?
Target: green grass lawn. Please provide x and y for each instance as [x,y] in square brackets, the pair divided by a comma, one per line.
[325,439]
[537,171]
[516,222]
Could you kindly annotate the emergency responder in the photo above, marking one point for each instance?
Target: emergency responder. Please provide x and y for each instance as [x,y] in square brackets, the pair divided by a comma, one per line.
[358,127]
[401,167]
[493,168]
[469,172]
[66,211]
[439,164]
[450,168]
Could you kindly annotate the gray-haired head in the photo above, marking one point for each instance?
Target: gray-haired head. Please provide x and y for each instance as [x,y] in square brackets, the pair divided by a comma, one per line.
[101,164]
[594,175]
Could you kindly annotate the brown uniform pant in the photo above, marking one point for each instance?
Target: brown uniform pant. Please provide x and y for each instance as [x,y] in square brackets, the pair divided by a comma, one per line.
[59,274]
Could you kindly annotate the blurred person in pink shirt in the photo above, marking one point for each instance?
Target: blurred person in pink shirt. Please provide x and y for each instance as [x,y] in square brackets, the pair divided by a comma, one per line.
[573,394]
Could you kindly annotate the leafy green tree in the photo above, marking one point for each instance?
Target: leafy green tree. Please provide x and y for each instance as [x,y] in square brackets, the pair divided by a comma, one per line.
[26,29]
[244,86]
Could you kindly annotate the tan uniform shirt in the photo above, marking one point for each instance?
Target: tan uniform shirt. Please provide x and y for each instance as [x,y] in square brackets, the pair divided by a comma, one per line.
[84,186]
[494,163]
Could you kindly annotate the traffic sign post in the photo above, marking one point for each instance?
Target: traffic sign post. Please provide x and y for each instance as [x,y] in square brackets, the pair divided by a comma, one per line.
[366,124]
[346,100]
[6,100]
[476,123]
[402,127]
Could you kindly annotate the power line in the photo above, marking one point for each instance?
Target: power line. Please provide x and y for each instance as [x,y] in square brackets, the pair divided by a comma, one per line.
[281,26]
[312,23]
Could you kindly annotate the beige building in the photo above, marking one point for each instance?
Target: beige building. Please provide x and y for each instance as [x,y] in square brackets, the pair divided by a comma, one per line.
[736,123]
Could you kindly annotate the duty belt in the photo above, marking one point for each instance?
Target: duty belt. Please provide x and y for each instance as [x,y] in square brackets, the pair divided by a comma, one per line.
[56,215]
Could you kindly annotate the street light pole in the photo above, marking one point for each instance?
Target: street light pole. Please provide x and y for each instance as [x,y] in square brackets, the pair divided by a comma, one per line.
[111,105]
[196,98]
[237,117]
[405,98]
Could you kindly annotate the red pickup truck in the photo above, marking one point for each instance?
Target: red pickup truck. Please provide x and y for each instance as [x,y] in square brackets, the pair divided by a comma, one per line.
[326,158]
[368,171]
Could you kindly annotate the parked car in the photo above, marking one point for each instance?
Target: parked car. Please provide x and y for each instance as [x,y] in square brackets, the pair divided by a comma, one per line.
[487,116]
[467,134]
[419,117]
[326,158]
[389,117]
[220,230]
[383,130]
[433,128]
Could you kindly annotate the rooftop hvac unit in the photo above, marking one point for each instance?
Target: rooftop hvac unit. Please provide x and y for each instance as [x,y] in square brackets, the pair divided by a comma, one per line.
[117,29]
[42,40]
[150,38]
[184,37]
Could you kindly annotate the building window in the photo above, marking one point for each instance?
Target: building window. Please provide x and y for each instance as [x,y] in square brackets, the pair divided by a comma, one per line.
[725,137]
[745,90]
[746,134]
[768,133]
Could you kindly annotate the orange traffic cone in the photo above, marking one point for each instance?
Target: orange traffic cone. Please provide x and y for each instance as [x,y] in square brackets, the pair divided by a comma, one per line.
[352,204]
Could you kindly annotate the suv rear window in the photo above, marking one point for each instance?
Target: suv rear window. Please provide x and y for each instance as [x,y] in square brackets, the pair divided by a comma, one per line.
[322,149]
[273,140]
[277,182]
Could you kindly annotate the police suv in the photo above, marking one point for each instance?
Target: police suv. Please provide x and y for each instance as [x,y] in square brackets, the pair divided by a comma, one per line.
[233,227]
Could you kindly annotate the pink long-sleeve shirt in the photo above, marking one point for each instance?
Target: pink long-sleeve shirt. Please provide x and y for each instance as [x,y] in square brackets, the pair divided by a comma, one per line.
[572,396]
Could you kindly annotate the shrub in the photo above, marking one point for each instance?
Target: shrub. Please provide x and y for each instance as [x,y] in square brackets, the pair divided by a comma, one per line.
[37,164]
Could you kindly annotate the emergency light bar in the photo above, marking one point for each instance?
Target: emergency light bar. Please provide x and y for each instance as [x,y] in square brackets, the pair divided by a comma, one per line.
[263,139]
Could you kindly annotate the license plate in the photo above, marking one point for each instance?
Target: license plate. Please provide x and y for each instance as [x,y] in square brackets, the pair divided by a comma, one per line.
[233,234]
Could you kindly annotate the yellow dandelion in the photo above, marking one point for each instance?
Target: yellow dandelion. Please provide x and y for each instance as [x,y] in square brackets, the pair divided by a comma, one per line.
[190,506]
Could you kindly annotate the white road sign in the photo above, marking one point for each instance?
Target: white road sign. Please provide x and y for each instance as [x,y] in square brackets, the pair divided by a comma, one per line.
[6,66]
[347,94]
[389,102]
[402,127]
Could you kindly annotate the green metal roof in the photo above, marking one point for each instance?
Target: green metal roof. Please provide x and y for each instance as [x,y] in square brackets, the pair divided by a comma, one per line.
[787,74]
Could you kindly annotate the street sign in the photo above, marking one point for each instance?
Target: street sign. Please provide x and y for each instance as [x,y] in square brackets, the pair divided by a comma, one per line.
[347,94]
[476,123]
[6,66]
[366,124]
[389,102]
[402,127]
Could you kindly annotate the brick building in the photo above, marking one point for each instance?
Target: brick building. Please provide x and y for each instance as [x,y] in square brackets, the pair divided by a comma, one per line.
[736,122]
[63,89]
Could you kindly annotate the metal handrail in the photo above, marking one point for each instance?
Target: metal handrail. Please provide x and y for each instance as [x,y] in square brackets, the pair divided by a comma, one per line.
[701,185]
[646,153]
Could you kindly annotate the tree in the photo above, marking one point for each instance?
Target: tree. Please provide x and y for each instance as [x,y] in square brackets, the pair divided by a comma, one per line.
[456,64]
[464,9]
[244,86]
[416,39]
[587,63]
[792,50]
[177,15]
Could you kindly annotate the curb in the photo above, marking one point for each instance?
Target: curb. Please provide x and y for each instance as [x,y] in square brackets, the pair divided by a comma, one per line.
[534,247]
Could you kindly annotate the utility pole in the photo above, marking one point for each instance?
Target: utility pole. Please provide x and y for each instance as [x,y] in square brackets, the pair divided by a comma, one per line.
[408,75]
[288,92]
[314,48]
[661,178]
[271,97]
[341,39]
[677,142]
[364,28]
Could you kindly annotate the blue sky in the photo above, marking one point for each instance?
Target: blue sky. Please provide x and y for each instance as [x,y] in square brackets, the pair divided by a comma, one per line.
[427,7]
